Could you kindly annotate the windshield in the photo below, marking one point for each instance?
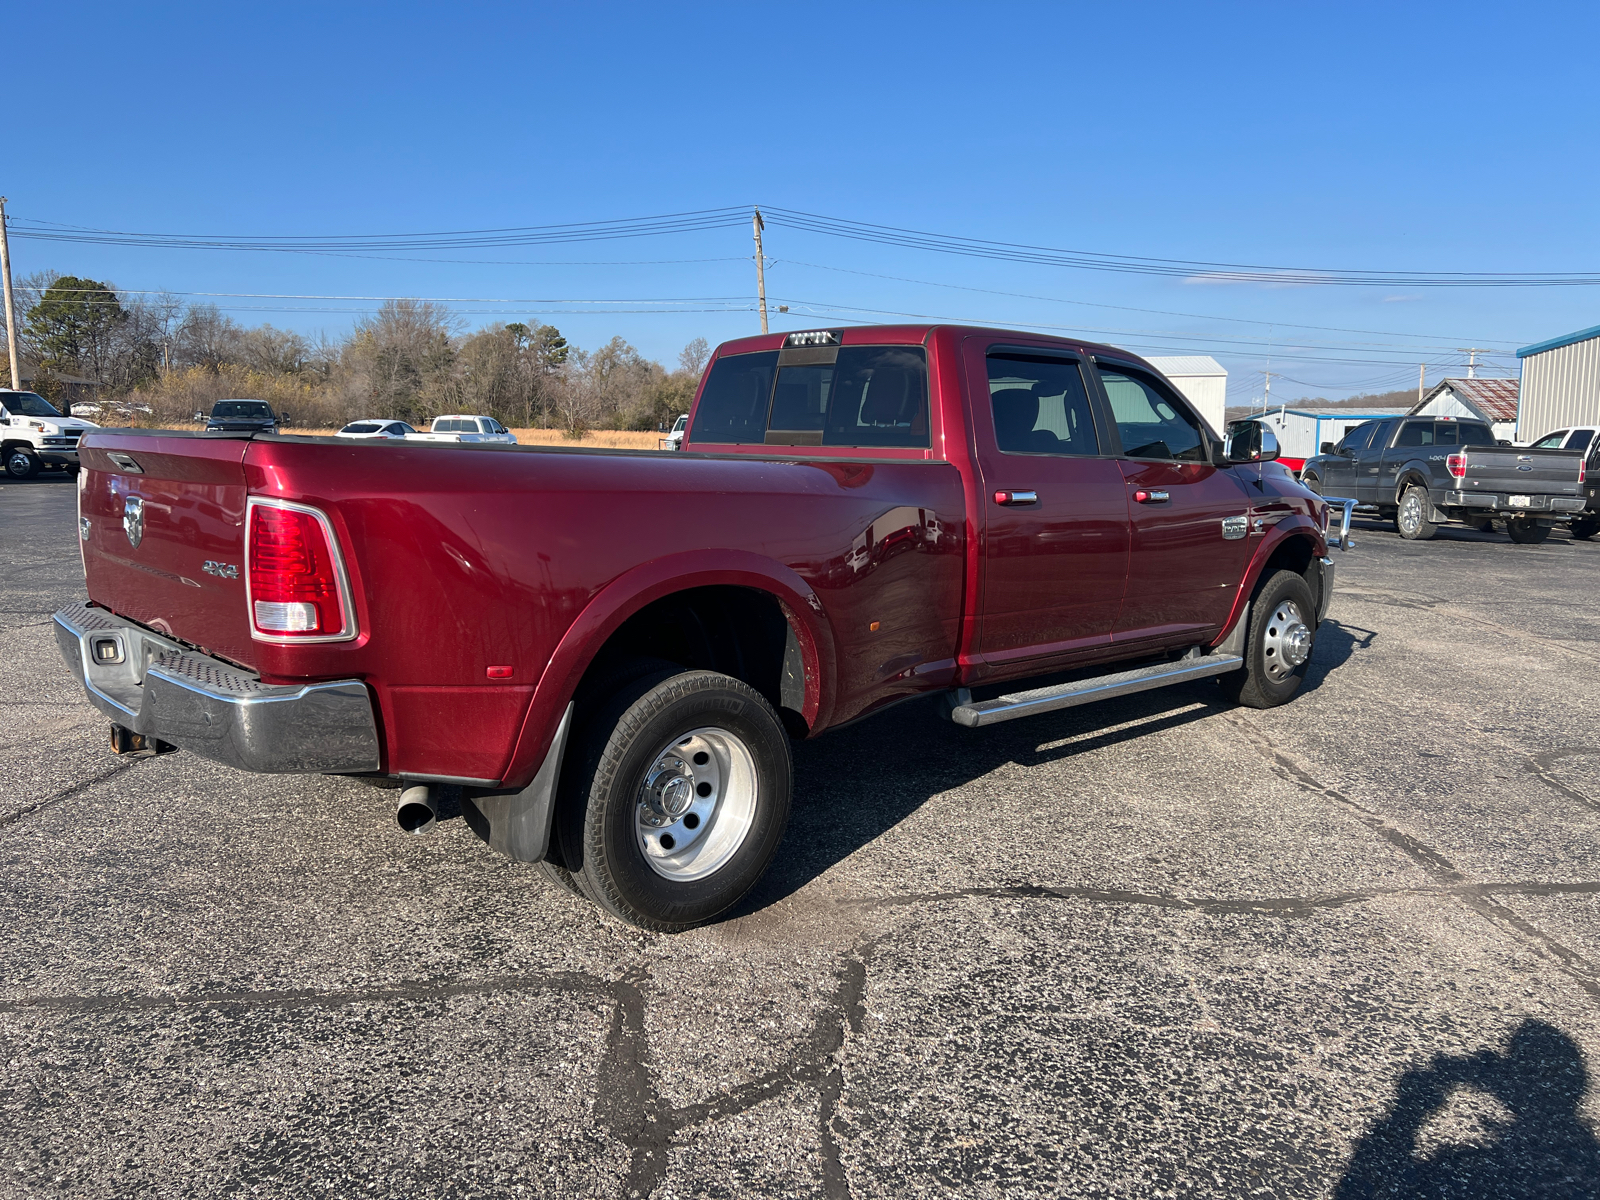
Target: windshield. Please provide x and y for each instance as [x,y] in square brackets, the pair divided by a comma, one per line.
[27,404]
[235,410]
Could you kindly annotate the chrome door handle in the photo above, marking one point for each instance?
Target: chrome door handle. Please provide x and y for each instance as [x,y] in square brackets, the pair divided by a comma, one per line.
[1144,497]
[1014,498]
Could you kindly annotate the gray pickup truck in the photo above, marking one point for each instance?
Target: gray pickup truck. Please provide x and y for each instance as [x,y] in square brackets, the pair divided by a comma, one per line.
[1421,471]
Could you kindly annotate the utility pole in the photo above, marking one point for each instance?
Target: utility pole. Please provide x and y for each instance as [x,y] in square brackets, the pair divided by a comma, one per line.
[761,270]
[1472,359]
[1266,401]
[1422,373]
[11,308]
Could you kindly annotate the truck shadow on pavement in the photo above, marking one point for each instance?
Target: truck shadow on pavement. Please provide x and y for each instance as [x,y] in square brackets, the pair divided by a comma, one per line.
[855,784]
[1536,1144]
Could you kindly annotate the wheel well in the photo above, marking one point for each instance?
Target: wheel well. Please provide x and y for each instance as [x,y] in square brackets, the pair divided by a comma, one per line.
[736,631]
[1296,554]
[1405,481]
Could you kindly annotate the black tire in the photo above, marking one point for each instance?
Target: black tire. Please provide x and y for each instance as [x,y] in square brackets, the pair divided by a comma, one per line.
[1481,524]
[1411,519]
[1585,528]
[1265,682]
[22,464]
[601,835]
[1527,531]
[559,876]
[1389,515]
[1311,481]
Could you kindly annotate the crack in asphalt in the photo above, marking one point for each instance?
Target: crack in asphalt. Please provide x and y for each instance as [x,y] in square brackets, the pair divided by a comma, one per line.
[1475,897]
[629,1105]
[1426,604]
[67,793]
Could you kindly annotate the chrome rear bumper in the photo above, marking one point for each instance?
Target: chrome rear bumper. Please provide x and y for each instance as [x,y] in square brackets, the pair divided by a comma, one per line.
[175,694]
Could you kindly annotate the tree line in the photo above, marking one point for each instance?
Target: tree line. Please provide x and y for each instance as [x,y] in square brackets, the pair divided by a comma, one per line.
[412,359]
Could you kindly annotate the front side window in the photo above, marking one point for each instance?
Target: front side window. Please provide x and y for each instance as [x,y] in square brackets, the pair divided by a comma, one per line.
[1358,438]
[1415,433]
[1040,405]
[28,404]
[1550,441]
[1150,423]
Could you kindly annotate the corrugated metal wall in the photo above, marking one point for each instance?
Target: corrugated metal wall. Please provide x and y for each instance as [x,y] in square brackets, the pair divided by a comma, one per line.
[1560,387]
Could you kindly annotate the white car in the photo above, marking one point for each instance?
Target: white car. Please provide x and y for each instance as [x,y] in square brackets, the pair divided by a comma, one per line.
[377,427]
[456,427]
[674,438]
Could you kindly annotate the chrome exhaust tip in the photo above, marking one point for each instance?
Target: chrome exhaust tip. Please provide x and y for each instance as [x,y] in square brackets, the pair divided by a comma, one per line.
[418,810]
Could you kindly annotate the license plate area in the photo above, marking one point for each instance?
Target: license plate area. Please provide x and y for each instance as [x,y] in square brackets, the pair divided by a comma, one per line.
[1519,501]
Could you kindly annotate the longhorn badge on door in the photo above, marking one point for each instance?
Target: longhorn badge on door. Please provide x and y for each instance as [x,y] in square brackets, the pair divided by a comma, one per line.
[1234,528]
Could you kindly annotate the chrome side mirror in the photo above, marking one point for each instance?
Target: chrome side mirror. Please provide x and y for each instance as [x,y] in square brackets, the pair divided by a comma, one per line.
[1251,442]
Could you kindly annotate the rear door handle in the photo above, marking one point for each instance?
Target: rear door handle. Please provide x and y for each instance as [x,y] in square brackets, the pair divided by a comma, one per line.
[1144,497]
[1014,498]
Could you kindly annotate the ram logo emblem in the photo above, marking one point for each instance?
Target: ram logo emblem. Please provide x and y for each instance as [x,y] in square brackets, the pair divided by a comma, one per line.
[133,520]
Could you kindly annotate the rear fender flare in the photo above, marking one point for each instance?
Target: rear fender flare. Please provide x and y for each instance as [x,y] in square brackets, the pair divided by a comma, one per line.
[1411,473]
[1298,525]
[645,584]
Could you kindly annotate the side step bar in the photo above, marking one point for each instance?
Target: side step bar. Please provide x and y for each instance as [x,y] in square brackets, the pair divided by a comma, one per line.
[1085,691]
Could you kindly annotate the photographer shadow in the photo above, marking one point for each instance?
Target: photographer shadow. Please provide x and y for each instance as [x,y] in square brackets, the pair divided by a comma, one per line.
[1546,1149]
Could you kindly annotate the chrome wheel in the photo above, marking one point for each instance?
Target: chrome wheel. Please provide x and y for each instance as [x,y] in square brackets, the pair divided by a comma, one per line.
[1410,518]
[1286,641]
[696,804]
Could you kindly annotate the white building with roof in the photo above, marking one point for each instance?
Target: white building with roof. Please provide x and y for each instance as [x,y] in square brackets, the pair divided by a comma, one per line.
[1202,380]
[1490,400]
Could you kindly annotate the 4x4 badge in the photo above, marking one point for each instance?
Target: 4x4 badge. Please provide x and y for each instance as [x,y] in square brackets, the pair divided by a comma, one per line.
[1234,528]
[133,520]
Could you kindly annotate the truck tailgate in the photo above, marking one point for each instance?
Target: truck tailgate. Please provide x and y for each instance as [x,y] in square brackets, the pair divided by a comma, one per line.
[1517,469]
[161,519]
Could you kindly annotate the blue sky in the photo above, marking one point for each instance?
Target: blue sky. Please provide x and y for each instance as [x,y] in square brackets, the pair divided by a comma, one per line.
[1430,138]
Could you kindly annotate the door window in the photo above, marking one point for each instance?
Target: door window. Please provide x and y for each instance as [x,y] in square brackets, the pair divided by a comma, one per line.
[1040,405]
[1151,423]
[1357,438]
[1550,441]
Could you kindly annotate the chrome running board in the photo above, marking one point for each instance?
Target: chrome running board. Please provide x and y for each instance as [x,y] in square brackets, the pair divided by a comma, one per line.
[1085,691]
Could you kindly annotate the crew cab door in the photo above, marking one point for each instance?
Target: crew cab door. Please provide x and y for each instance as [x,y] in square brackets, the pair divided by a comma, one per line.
[1189,518]
[1338,469]
[1054,516]
[1366,464]
[1415,442]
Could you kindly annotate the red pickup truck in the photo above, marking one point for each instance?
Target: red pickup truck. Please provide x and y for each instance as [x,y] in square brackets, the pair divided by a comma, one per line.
[609,651]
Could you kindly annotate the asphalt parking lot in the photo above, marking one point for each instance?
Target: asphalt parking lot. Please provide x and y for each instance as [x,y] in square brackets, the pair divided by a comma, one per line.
[1349,947]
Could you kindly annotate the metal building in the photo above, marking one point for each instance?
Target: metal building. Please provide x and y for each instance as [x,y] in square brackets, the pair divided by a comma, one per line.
[1202,380]
[1560,384]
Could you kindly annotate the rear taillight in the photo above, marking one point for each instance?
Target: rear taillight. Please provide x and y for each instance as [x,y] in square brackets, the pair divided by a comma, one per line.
[297,588]
[1583,470]
[1456,464]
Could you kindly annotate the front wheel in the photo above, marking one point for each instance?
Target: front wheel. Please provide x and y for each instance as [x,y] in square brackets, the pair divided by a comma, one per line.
[21,464]
[1412,518]
[1312,482]
[679,799]
[1283,622]
[1526,531]
[1585,529]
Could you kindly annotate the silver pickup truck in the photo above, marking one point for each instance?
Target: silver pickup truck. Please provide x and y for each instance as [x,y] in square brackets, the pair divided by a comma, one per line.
[1422,471]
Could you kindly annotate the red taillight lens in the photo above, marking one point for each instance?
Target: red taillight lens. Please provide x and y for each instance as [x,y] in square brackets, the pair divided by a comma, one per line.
[1456,464]
[294,579]
[1583,470]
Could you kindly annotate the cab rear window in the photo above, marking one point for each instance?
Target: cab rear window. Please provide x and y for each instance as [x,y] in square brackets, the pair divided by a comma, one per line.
[868,396]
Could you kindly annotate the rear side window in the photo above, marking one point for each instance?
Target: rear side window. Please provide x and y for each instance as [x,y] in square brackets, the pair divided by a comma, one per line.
[1040,405]
[733,406]
[1416,433]
[1471,433]
[1150,423]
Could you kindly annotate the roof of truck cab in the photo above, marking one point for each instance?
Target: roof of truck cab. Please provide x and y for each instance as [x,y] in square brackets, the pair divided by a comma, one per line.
[913,335]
